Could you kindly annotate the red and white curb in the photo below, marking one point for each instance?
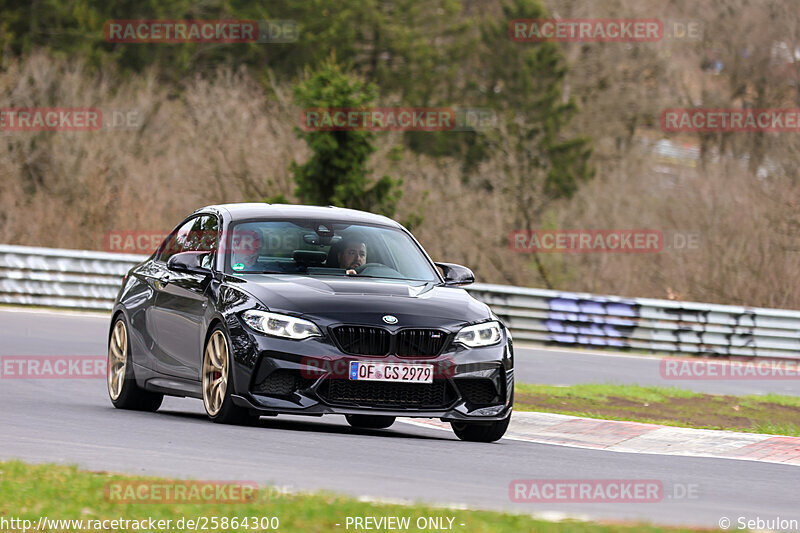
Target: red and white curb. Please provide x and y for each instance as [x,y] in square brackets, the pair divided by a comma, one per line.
[635,437]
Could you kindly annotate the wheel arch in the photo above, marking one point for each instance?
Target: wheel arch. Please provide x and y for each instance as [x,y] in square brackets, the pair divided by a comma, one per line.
[215,321]
[212,326]
[114,316]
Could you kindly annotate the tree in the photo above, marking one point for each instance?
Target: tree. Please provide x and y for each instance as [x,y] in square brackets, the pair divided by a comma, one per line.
[337,172]
[541,163]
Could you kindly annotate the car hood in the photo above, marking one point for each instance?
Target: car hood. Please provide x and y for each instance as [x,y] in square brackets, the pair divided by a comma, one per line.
[360,301]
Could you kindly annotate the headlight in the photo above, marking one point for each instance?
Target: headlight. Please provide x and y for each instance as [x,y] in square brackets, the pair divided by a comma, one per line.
[285,326]
[484,334]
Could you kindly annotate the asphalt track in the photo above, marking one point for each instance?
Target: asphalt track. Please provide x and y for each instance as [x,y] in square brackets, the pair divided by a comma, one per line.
[72,421]
[33,332]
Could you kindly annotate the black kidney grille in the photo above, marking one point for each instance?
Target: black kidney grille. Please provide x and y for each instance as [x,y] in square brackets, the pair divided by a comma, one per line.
[363,340]
[425,342]
[375,393]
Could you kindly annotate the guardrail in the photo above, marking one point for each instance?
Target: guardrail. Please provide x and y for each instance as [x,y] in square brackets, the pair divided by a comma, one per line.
[90,280]
[687,328]
[61,278]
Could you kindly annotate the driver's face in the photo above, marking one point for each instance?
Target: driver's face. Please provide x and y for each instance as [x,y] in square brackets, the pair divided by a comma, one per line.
[250,258]
[248,248]
[353,256]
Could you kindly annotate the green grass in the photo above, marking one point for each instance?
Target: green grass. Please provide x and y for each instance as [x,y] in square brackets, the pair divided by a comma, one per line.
[771,414]
[61,492]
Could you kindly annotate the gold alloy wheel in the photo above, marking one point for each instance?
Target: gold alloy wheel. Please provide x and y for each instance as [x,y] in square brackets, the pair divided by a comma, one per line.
[215,373]
[117,359]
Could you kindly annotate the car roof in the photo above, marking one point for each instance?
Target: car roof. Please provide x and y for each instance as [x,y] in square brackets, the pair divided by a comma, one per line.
[242,211]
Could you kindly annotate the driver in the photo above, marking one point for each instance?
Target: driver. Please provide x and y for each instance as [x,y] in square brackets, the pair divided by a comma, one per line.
[352,255]
[247,248]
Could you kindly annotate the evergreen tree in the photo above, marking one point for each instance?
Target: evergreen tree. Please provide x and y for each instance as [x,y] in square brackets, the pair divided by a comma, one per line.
[337,172]
[542,162]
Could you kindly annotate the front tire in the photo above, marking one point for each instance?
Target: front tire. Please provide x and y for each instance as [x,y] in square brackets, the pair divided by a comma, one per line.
[122,388]
[481,431]
[370,421]
[217,383]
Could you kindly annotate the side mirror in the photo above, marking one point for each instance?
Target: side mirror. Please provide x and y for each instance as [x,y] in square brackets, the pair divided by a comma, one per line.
[189,262]
[456,274]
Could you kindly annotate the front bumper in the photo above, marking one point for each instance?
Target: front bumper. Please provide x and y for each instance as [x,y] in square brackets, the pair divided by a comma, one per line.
[309,377]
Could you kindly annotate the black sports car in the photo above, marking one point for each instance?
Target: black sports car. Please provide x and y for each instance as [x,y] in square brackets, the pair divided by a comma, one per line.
[261,309]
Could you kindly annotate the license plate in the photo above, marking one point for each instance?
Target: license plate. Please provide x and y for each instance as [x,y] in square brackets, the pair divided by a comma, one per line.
[372,371]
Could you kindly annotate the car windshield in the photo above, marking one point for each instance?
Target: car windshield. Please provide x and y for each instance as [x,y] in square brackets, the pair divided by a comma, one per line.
[322,248]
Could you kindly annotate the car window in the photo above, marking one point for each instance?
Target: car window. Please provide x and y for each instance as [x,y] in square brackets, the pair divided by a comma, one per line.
[315,248]
[203,236]
[398,258]
[195,235]
[176,241]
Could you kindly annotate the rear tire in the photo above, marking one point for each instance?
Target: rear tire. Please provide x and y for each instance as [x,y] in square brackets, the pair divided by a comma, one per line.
[370,421]
[217,382]
[122,388]
[480,431]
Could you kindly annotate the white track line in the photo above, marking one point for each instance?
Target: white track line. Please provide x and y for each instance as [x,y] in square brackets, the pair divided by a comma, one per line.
[581,351]
[42,311]
[534,440]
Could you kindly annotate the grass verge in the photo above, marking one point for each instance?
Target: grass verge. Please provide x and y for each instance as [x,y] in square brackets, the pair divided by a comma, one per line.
[61,492]
[772,414]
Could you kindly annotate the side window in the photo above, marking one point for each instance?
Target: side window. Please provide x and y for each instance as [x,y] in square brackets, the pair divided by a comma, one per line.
[203,237]
[198,234]
[176,241]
